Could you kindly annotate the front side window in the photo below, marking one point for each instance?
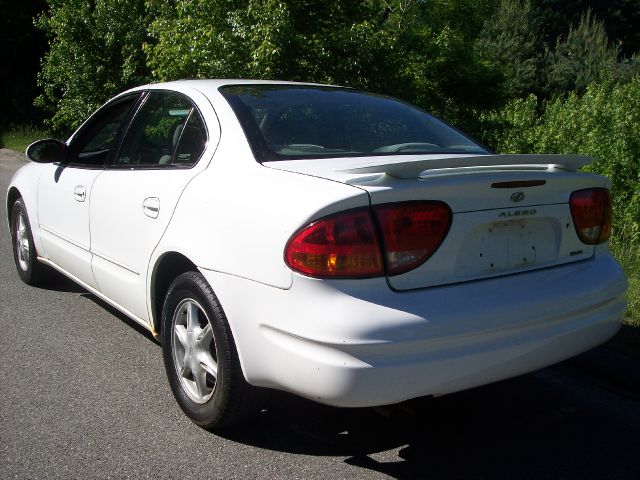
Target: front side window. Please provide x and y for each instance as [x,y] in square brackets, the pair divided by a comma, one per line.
[167,130]
[97,139]
[285,122]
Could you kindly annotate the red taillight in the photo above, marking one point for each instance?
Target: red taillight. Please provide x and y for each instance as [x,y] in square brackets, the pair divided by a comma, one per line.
[591,213]
[412,232]
[342,245]
[347,245]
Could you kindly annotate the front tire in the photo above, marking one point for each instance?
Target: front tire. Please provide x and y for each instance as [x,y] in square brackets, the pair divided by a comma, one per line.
[200,357]
[31,271]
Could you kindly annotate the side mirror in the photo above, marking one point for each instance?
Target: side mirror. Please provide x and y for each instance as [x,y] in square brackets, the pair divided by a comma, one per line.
[46,151]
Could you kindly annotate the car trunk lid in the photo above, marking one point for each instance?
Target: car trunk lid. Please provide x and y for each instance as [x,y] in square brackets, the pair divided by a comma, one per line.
[510,212]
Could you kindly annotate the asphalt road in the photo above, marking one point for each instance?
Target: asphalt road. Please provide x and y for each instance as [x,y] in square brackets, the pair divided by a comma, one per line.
[83,395]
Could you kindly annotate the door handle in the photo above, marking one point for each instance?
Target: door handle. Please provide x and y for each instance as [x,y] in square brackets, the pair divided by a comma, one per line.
[151,207]
[80,193]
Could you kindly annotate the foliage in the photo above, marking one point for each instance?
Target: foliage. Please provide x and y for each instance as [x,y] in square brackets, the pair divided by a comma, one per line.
[509,41]
[628,255]
[452,57]
[633,302]
[582,58]
[413,49]
[621,19]
[514,41]
[603,123]
[95,51]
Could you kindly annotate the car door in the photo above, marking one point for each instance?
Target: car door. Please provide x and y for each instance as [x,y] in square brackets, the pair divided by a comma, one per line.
[64,189]
[133,199]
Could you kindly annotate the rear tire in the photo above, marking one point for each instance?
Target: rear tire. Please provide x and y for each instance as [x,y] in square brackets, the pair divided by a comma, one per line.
[31,271]
[200,357]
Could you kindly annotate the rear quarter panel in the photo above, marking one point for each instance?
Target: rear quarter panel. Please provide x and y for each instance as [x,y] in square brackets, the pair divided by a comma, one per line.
[237,219]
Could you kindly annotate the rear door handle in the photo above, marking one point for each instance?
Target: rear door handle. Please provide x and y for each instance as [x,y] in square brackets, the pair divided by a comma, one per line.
[80,193]
[151,207]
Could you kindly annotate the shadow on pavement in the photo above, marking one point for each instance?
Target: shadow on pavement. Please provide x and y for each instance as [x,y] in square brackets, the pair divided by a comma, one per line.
[117,313]
[536,426]
[55,281]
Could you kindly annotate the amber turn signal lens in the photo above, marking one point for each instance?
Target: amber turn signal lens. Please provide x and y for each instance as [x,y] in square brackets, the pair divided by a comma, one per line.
[340,246]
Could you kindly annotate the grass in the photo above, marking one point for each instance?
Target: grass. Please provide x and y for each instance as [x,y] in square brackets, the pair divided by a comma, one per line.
[628,255]
[20,137]
[633,296]
[628,340]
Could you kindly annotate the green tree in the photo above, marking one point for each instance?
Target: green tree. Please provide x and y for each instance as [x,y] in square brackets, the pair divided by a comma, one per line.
[620,17]
[294,40]
[417,50]
[552,47]
[95,50]
[510,42]
[584,57]
[424,51]
[414,49]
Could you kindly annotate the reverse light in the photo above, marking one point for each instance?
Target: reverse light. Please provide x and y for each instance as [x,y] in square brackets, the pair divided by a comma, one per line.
[369,242]
[591,213]
[412,232]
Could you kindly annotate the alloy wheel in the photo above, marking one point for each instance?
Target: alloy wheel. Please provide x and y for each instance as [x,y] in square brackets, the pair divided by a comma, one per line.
[194,350]
[22,241]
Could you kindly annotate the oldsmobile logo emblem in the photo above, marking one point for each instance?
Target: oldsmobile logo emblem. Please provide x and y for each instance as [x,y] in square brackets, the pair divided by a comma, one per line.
[517,197]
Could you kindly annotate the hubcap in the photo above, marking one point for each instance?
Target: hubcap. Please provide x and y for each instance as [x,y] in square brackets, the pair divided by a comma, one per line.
[194,350]
[22,242]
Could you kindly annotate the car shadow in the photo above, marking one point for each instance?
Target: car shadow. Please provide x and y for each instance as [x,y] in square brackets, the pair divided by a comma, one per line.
[117,313]
[56,281]
[529,427]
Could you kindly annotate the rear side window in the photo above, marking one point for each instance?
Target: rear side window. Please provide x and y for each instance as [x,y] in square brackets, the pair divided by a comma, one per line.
[192,141]
[285,122]
[167,130]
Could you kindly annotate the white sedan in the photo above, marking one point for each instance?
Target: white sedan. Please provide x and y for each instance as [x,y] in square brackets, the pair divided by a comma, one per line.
[343,246]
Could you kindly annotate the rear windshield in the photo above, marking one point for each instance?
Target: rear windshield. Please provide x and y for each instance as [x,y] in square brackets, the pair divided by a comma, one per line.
[286,122]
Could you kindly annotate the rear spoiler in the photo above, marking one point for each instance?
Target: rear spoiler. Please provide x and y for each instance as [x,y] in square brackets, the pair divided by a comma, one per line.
[411,169]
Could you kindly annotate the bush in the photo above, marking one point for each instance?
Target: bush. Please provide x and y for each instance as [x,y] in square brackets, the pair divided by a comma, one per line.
[603,123]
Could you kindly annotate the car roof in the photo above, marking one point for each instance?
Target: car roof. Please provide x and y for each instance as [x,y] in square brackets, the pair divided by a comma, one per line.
[211,86]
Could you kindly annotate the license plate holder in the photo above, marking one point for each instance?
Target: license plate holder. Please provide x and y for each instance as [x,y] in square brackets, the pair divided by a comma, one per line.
[507,245]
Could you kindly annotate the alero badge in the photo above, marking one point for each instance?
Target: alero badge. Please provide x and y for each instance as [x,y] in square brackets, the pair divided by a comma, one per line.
[518,213]
[517,197]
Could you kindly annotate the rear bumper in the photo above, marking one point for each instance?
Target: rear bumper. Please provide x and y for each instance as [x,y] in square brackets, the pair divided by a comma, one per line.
[358,343]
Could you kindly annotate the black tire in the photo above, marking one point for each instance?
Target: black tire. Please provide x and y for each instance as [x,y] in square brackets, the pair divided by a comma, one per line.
[31,271]
[218,401]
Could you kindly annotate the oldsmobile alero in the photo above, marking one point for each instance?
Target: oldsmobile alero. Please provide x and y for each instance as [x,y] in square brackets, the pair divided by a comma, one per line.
[344,246]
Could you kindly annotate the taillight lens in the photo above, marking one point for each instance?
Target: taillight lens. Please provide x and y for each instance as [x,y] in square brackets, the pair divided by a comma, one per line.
[347,245]
[591,213]
[412,232]
[343,245]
